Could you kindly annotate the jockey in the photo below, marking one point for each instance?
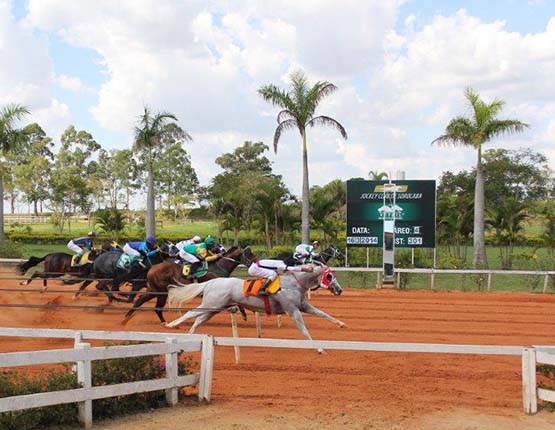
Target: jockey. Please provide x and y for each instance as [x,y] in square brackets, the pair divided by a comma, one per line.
[213,252]
[304,253]
[195,254]
[270,269]
[81,244]
[141,249]
[182,244]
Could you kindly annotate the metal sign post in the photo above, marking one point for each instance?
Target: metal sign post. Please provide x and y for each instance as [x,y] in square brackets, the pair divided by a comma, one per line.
[389,210]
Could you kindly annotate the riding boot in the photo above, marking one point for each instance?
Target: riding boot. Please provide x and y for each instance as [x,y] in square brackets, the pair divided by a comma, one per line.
[194,267]
[77,260]
[262,291]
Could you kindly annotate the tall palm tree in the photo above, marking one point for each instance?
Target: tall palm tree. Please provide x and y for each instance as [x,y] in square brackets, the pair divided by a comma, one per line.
[153,130]
[10,136]
[298,106]
[480,128]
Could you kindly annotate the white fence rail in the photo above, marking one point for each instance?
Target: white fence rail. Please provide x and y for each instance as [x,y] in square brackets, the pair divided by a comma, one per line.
[83,354]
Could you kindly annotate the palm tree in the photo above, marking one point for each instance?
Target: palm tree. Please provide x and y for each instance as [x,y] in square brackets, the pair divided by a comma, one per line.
[298,107]
[10,137]
[376,175]
[154,130]
[475,131]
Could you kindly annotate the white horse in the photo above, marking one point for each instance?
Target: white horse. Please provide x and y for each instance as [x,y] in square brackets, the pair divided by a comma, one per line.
[221,293]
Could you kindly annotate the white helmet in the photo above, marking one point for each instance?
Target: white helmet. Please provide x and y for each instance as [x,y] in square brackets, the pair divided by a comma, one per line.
[196,239]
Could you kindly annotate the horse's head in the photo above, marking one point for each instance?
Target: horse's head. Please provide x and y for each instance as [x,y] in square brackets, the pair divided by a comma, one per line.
[333,252]
[247,256]
[329,280]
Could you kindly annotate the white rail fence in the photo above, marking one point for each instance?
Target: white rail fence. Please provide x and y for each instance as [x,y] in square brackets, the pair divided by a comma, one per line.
[82,354]
[172,344]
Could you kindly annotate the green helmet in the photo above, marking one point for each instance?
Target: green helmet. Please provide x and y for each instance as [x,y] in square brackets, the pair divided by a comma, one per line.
[209,240]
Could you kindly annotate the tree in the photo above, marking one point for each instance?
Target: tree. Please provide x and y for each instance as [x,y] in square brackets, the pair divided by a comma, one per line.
[474,132]
[376,175]
[298,108]
[155,130]
[34,165]
[174,175]
[70,180]
[10,138]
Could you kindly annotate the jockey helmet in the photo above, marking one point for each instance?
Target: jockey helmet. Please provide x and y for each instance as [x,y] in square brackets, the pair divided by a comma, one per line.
[315,243]
[209,240]
[91,234]
[196,239]
[150,239]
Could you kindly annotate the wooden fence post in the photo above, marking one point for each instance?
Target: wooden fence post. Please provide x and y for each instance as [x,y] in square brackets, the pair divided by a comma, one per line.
[529,390]
[489,282]
[546,283]
[432,280]
[258,325]
[84,378]
[235,333]
[206,367]
[172,394]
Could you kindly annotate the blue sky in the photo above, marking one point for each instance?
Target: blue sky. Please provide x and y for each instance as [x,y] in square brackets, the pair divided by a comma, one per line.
[400,66]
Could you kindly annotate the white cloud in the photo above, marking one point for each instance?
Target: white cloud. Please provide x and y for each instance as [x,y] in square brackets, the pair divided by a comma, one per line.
[72,83]
[399,82]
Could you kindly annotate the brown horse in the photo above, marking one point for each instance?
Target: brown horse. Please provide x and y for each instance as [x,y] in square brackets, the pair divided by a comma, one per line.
[168,272]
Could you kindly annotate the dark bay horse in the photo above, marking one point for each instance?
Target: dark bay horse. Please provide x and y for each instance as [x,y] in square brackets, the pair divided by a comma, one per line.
[107,273]
[323,257]
[58,264]
[168,272]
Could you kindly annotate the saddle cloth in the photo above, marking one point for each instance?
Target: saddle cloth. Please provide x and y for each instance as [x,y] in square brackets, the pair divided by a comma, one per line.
[251,287]
[125,261]
[84,259]
[198,274]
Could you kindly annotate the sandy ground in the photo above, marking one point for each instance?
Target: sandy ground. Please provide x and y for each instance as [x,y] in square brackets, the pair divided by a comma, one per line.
[298,389]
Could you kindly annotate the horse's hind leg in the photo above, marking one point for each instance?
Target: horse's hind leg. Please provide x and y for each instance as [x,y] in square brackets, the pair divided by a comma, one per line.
[160,303]
[202,319]
[81,289]
[198,312]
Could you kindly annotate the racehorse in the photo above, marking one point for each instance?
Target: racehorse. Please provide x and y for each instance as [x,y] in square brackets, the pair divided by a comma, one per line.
[323,257]
[106,271]
[57,264]
[222,293]
[168,272]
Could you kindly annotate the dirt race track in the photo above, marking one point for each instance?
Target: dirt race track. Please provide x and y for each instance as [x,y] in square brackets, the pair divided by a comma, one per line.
[299,389]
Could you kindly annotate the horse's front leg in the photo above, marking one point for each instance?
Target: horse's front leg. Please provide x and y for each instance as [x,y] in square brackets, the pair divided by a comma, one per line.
[297,317]
[309,309]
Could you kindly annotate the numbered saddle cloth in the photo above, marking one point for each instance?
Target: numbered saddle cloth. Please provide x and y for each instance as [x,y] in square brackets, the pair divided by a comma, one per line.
[198,274]
[251,287]
[125,261]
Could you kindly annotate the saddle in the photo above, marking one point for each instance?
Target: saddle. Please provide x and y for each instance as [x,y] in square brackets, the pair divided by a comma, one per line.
[251,287]
[78,261]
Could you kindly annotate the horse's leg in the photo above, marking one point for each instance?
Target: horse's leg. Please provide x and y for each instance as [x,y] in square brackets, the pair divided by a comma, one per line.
[136,286]
[81,289]
[297,317]
[143,299]
[309,309]
[29,280]
[205,316]
[160,303]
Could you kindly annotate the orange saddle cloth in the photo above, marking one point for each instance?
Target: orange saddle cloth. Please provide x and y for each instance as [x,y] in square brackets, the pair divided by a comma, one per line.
[251,287]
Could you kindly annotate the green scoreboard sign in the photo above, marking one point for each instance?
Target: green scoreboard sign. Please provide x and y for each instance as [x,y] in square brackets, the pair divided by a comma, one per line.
[415,213]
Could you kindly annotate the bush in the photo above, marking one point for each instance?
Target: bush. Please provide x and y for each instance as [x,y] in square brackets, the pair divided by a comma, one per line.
[104,372]
[548,383]
[9,249]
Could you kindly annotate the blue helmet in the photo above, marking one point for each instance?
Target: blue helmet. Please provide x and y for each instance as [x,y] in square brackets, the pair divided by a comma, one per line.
[150,239]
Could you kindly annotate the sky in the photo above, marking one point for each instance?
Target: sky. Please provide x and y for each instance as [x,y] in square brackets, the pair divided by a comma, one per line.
[401,67]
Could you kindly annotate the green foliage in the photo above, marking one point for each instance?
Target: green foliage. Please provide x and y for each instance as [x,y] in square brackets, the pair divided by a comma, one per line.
[10,249]
[15,384]
[104,372]
[548,382]
[110,221]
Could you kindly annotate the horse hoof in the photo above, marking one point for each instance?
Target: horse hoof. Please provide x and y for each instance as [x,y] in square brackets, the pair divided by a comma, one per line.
[342,324]
[321,351]
[163,324]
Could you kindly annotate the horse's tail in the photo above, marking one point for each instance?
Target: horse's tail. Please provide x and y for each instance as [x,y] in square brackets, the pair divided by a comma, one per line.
[183,293]
[26,265]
